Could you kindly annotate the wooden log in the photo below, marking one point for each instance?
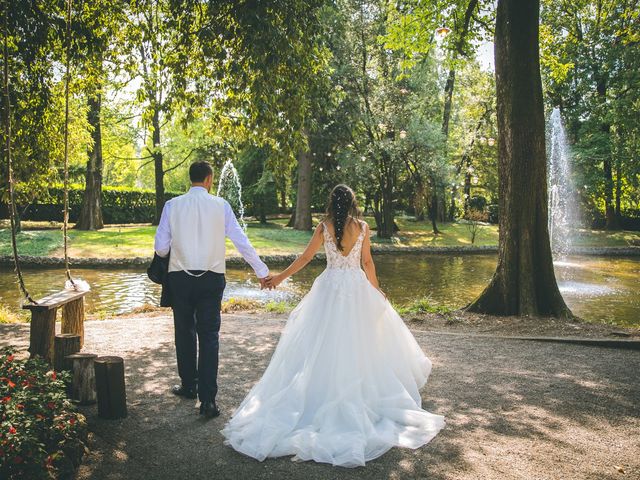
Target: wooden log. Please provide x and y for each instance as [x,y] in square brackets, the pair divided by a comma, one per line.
[65,344]
[42,333]
[83,385]
[112,398]
[73,318]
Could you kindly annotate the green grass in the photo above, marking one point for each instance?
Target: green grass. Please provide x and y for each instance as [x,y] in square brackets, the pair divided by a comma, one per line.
[40,243]
[271,239]
[422,305]
[274,306]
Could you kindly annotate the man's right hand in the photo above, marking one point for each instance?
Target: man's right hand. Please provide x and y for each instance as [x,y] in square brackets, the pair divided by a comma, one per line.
[263,282]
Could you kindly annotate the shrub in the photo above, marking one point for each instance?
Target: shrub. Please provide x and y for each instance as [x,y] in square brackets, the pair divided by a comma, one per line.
[478,202]
[119,204]
[41,434]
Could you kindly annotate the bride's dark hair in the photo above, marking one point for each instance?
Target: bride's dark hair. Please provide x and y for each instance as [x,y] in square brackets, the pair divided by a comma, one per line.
[340,206]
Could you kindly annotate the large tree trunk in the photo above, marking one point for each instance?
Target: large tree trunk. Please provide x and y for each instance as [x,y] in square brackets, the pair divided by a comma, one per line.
[524,282]
[302,219]
[158,166]
[607,169]
[386,225]
[91,212]
[618,188]
[448,100]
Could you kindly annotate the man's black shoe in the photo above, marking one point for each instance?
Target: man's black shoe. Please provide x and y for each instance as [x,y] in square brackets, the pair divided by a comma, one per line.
[182,391]
[209,409]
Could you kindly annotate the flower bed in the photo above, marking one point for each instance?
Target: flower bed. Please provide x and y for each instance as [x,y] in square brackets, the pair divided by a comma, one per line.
[41,433]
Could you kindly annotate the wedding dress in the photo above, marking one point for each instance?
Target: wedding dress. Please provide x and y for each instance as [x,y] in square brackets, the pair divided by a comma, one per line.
[343,384]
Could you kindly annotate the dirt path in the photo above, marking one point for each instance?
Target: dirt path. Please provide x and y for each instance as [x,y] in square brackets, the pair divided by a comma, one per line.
[514,409]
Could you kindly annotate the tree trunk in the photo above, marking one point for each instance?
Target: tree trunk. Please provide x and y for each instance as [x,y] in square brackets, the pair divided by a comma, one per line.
[292,219]
[467,185]
[618,188]
[433,207]
[42,334]
[610,212]
[524,282]
[110,387]
[65,344]
[448,97]
[607,169]
[91,211]
[73,318]
[283,199]
[386,226]
[158,166]
[302,219]
[83,385]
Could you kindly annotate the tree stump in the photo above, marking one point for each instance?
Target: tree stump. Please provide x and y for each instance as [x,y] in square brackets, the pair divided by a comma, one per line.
[73,318]
[42,334]
[112,398]
[83,385]
[65,344]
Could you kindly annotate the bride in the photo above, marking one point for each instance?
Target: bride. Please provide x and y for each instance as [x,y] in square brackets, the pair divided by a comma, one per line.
[343,383]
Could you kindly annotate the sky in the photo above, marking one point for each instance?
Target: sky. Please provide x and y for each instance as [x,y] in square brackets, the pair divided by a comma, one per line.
[484,55]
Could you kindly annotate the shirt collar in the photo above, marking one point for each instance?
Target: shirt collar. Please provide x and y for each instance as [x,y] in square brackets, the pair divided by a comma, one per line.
[198,189]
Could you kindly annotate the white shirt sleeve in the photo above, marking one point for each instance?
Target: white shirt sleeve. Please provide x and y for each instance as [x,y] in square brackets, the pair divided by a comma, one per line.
[233,230]
[162,243]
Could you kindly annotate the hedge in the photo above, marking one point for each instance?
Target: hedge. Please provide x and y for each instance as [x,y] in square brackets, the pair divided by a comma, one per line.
[119,205]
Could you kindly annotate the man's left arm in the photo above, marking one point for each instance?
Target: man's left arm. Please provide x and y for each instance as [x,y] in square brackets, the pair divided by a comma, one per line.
[233,230]
[162,243]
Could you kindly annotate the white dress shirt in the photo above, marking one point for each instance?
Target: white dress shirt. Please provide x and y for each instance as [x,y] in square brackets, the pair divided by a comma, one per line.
[200,222]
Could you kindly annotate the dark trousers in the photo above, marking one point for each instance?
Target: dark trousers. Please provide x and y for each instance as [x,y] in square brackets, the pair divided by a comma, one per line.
[196,310]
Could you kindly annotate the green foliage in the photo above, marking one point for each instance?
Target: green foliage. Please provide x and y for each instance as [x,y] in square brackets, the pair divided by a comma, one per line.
[259,191]
[41,433]
[422,305]
[119,204]
[278,306]
[590,64]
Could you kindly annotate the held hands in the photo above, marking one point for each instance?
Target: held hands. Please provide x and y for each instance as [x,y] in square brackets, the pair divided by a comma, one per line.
[270,282]
[263,282]
[273,281]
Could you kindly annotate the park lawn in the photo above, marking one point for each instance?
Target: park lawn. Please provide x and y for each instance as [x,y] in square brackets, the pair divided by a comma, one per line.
[274,238]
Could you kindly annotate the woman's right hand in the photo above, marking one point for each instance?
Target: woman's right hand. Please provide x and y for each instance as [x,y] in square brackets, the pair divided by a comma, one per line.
[274,281]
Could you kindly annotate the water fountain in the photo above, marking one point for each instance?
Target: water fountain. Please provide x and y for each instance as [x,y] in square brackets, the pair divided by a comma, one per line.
[563,212]
[230,189]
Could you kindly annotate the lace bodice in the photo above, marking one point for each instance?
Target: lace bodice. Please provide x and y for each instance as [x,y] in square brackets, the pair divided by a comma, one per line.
[335,258]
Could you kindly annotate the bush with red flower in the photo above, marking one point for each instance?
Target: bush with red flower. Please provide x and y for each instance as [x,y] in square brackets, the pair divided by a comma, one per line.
[41,433]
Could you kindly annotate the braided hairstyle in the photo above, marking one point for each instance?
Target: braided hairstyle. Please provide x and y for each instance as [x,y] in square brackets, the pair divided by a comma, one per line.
[340,206]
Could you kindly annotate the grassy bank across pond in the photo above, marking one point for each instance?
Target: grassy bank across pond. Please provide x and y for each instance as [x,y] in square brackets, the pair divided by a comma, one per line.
[273,238]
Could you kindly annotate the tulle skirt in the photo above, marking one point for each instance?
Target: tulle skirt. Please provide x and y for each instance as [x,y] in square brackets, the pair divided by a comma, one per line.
[343,384]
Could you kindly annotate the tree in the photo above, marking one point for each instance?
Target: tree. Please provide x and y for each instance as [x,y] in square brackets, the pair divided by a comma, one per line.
[303,197]
[524,282]
[94,30]
[34,32]
[591,68]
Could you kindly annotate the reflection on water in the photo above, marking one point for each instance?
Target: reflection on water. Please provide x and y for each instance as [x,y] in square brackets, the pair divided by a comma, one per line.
[594,287]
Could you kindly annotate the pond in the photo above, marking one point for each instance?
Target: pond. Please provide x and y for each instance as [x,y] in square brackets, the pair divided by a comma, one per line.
[595,287]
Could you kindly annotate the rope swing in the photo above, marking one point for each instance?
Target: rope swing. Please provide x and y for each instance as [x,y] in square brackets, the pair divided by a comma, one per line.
[7,150]
[65,220]
[71,283]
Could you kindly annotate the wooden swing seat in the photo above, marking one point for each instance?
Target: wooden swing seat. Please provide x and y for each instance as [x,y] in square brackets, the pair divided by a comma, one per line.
[55,300]
[43,321]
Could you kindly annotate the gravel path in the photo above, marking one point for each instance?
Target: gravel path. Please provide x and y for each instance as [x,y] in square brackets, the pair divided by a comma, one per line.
[514,409]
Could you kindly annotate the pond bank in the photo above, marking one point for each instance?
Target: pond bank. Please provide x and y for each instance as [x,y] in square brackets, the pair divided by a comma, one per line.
[236,260]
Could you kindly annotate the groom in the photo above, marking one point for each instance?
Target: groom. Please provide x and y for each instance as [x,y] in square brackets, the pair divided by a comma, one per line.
[192,231]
